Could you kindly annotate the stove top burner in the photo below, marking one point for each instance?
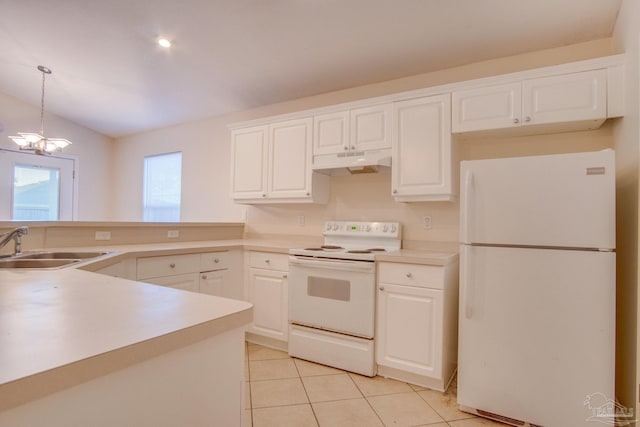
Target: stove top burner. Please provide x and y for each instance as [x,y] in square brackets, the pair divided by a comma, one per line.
[359,251]
[331,248]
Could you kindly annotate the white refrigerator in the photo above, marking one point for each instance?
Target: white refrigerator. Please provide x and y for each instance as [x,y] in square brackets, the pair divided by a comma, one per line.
[537,287]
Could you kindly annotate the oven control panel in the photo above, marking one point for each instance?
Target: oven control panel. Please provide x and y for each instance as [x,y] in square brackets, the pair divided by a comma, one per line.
[362,228]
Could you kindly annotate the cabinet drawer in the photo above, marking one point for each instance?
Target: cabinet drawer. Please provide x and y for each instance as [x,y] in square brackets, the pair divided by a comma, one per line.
[169,265]
[424,276]
[269,261]
[212,261]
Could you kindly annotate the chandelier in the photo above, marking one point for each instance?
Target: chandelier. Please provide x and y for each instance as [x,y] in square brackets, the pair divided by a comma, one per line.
[37,142]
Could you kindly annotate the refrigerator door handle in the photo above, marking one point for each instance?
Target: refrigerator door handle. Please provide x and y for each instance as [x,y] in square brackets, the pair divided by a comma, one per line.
[465,228]
[467,289]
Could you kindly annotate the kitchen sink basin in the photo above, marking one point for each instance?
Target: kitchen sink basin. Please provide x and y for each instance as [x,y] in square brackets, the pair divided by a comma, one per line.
[61,255]
[36,263]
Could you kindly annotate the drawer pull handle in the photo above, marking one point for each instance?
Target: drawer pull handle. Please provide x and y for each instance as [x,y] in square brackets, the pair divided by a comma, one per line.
[267,261]
[204,277]
[172,265]
[216,260]
[284,276]
[409,275]
[381,288]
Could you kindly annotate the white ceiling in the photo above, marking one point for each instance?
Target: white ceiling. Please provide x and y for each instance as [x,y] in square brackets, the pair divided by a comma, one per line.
[109,74]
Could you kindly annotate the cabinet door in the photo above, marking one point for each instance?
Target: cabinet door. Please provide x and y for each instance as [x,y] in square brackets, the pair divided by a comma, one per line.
[186,282]
[268,294]
[214,283]
[565,98]
[290,159]
[371,128]
[422,159]
[331,133]
[249,162]
[493,107]
[410,329]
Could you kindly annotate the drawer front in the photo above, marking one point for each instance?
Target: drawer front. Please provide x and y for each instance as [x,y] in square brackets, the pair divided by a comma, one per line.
[169,265]
[269,261]
[424,276]
[212,261]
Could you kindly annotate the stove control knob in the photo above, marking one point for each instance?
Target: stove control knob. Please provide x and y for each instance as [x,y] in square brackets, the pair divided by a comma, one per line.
[385,228]
[367,228]
[328,226]
[336,226]
[393,228]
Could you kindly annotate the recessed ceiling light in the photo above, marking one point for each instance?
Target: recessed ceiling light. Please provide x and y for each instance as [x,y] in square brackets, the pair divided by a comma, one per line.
[164,42]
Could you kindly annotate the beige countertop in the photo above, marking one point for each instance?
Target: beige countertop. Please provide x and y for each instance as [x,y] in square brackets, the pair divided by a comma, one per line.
[58,329]
[61,327]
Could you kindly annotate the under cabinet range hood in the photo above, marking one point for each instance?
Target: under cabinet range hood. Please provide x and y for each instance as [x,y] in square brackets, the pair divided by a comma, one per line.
[353,162]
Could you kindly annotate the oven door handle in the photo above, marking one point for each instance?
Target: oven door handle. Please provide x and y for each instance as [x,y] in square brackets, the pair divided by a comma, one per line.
[333,264]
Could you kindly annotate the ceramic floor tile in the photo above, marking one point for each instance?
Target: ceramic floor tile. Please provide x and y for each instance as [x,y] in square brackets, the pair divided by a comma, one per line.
[330,387]
[272,369]
[403,409]
[277,393]
[285,416]
[445,404]
[379,385]
[346,413]
[308,369]
[476,422]
[258,352]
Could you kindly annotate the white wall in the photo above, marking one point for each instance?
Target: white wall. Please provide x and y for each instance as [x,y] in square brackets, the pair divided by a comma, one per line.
[94,152]
[626,135]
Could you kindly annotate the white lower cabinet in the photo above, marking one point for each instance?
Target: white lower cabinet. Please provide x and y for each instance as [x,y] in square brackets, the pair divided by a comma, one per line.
[416,339]
[213,273]
[267,290]
[186,282]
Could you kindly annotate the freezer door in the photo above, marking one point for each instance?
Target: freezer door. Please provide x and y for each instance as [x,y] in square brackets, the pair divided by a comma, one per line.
[565,200]
[536,332]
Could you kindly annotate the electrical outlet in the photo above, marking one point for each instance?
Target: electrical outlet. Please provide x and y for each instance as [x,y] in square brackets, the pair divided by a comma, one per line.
[301,220]
[426,222]
[103,235]
[173,234]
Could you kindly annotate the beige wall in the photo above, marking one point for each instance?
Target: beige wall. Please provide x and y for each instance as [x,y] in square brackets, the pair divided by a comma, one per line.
[205,145]
[626,135]
[93,150]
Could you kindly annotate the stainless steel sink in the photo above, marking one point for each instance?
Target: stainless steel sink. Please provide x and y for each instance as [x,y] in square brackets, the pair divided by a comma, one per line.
[36,263]
[61,255]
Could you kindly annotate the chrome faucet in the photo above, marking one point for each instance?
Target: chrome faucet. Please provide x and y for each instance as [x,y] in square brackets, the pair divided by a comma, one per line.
[15,235]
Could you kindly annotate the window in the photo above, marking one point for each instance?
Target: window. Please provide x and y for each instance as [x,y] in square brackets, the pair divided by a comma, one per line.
[36,193]
[162,187]
[35,187]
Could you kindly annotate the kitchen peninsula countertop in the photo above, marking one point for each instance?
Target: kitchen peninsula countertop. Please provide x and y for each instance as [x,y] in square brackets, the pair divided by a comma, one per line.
[61,328]
[87,325]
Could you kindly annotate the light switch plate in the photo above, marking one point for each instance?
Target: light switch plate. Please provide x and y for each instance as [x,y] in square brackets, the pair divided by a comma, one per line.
[173,234]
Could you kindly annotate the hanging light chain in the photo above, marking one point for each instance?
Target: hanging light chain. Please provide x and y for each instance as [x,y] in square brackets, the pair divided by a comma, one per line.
[45,71]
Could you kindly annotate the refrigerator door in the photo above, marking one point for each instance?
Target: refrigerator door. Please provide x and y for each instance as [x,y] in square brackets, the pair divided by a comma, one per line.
[564,200]
[536,332]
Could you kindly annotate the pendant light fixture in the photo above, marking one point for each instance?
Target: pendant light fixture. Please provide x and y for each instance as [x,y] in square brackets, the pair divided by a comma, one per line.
[37,142]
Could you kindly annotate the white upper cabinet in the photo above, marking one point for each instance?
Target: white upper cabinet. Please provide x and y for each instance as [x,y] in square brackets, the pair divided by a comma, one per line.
[361,129]
[565,98]
[423,168]
[249,162]
[272,164]
[371,128]
[577,100]
[331,133]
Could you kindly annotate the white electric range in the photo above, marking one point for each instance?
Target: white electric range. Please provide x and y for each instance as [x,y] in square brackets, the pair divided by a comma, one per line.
[332,291]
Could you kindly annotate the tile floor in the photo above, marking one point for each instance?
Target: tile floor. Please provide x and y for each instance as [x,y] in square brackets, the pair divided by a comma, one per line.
[282,391]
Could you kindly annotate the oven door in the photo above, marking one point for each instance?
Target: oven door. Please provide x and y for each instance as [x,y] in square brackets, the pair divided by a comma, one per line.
[335,295]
